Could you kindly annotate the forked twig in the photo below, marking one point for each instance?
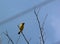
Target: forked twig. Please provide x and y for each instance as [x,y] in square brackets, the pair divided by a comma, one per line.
[41,32]
[9,37]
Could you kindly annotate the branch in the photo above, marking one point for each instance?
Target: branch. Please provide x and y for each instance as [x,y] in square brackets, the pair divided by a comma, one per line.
[41,32]
[19,36]
[9,37]
[43,23]
[44,20]
[18,40]
[23,36]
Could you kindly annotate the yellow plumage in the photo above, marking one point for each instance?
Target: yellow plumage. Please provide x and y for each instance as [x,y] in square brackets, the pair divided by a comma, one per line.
[21,27]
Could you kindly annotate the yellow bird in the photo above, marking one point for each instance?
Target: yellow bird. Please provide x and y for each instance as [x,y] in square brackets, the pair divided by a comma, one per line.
[21,27]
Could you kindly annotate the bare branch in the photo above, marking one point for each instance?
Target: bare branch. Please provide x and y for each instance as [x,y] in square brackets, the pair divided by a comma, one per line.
[8,41]
[8,37]
[19,36]
[23,36]
[44,20]
[18,40]
[41,32]
[37,17]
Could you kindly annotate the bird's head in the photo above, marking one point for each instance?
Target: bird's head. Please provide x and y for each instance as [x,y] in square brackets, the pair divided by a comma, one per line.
[23,23]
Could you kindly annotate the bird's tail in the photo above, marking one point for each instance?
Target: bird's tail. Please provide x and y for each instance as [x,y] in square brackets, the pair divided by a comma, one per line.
[18,32]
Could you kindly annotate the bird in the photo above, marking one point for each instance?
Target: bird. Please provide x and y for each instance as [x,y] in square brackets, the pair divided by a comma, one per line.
[21,27]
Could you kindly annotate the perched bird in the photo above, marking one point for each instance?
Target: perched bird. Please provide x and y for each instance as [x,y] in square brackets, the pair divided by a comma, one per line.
[21,27]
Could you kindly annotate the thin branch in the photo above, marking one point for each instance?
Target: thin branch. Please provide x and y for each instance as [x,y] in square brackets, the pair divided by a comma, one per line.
[9,37]
[43,23]
[18,40]
[39,27]
[8,41]
[37,12]
[23,36]
[37,17]
[44,20]
[19,36]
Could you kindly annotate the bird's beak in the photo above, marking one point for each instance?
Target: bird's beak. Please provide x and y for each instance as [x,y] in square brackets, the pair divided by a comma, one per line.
[23,23]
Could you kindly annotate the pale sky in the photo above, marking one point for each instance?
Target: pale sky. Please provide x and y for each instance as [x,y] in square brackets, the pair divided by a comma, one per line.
[9,8]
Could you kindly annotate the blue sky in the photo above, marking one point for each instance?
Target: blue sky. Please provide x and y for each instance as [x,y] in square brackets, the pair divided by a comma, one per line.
[9,8]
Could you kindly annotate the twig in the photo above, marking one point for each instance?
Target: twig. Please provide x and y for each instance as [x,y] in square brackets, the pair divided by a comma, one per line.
[18,40]
[8,41]
[9,37]
[19,36]
[44,20]
[23,36]
[39,27]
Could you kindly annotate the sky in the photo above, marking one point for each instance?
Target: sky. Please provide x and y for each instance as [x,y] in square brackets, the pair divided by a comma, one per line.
[9,8]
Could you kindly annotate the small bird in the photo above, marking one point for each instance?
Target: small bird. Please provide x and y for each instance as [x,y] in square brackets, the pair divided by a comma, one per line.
[21,27]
